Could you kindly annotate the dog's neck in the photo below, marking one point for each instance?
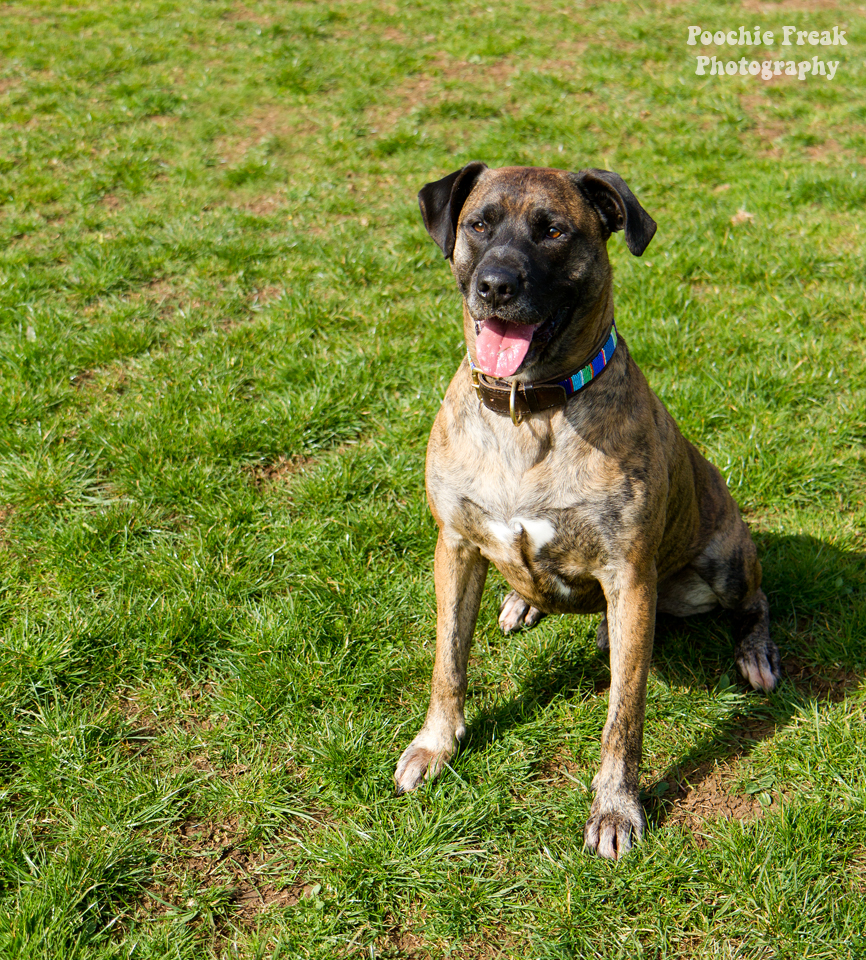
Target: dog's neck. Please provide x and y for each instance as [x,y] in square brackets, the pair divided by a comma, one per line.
[591,331]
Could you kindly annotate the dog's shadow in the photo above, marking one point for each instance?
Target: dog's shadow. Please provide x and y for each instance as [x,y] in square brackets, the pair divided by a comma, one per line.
[817,594]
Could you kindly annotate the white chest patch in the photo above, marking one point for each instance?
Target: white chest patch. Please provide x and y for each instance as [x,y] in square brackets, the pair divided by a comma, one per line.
[539,532]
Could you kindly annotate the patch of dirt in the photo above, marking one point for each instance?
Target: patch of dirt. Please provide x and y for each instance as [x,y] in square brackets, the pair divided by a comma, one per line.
[828,150]
[404,943]
[272,121]
[110,201]
[412,92]
[420,89]
[395,35]
[158,289]
[242,12]
[213,859]
[265,205]
[23,13]
[278,471]
[147,726]
[768,9]
[825,683]
[489,945]
[560,772]
[474,76]
[765,127]
[857,869]
[82,378]
[710,798]
[6,512]
[701,794]
[705,291]
[162,293]
[267,294]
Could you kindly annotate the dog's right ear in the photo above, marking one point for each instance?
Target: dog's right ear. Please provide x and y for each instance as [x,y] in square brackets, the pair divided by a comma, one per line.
[442,201]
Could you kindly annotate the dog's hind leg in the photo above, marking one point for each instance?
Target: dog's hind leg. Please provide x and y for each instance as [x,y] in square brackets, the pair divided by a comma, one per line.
[731,567]
[756,654]
[516,613]
[602,636]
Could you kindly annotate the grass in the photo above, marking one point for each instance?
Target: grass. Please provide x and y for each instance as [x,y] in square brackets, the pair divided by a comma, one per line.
[223,339]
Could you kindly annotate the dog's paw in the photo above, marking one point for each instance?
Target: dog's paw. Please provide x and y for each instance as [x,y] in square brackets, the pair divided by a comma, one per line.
[759,662]
[423,759]
[516,613]
[602,639]
[615,826]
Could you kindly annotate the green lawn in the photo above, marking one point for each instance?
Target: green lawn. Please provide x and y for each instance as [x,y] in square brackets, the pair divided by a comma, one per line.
[224,335]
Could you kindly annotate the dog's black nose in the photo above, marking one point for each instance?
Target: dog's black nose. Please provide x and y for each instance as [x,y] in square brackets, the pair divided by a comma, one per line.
[497,285]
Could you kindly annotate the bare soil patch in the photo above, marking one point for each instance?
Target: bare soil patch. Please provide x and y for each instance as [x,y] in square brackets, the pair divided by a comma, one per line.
[211,862]
[827,150]
[279,470]
[242,12]
[271,121]
[776,6]
[712,798]
[766,127]
[424,89]
[165,295]
[6,511]
[265,205]
[405,944]
[823,683]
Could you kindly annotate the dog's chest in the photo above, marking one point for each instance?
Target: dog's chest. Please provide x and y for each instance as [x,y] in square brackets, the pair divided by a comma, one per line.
[536,512]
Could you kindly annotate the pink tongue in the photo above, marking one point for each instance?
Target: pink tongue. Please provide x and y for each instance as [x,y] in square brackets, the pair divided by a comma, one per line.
[501,346]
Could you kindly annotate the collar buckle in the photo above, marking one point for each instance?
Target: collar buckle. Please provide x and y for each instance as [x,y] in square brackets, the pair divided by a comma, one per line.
[516,419]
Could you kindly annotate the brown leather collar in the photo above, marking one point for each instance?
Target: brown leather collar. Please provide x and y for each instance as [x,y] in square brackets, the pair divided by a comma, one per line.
[520,399]
[517,399]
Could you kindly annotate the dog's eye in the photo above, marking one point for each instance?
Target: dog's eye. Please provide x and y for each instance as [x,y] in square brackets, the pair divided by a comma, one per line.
[478,226]
[554,233]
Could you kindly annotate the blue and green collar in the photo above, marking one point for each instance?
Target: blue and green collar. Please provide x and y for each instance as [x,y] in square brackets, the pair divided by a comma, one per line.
[519,399]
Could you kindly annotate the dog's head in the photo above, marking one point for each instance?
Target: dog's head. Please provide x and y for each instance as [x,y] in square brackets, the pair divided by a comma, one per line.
[527,246]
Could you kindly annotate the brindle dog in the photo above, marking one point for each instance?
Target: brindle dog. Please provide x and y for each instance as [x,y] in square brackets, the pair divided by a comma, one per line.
[595,505]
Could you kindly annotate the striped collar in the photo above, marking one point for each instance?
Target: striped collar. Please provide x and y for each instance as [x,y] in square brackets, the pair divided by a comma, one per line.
[531,397]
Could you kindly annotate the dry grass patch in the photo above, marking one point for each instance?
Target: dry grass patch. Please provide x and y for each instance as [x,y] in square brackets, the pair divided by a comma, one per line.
[289,126]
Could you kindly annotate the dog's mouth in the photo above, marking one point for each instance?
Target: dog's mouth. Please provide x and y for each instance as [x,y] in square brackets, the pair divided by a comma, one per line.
[502,346]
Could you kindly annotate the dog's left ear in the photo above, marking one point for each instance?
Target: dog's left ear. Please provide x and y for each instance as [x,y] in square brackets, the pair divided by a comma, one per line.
[442,201]
[618,207]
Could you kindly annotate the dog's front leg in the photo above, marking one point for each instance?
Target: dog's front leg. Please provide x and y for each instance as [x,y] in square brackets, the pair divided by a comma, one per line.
[617,818]
[460,572]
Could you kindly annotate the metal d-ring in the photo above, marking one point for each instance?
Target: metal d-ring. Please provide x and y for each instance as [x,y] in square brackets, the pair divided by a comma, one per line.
[512,409]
